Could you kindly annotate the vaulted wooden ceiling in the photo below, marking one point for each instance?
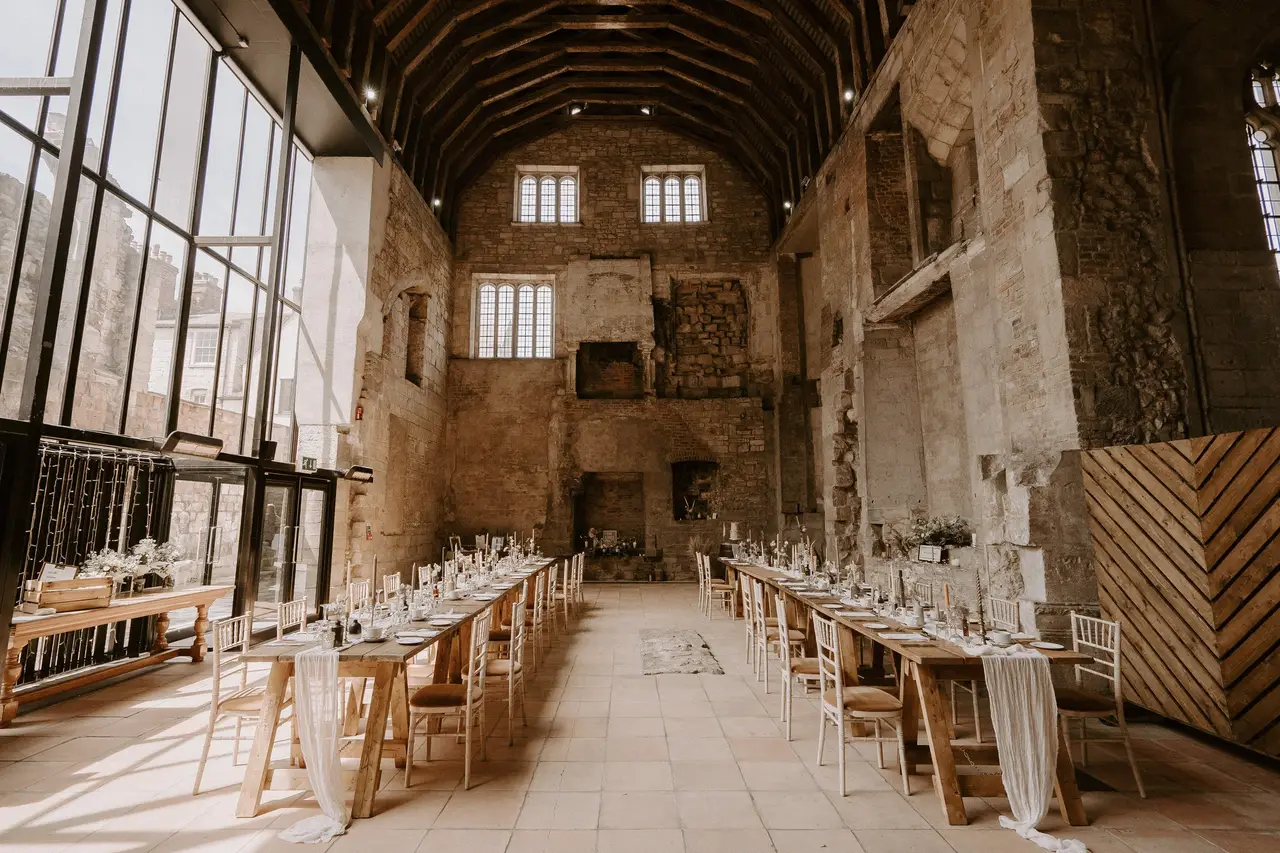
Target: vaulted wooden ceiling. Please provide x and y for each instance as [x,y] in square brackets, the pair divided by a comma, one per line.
[458,83]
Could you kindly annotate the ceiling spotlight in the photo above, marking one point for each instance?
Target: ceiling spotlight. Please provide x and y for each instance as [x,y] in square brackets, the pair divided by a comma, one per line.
[647,110]
[435,202]
[786,205]
[848,96]
[575,109]
[370,94]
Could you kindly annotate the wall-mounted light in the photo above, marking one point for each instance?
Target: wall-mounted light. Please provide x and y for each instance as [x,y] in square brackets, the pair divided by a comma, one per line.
[575,109]
[370,94]
[848,96]
[191,444]
[786,205]
[647,110]
[435,202]
[358,474]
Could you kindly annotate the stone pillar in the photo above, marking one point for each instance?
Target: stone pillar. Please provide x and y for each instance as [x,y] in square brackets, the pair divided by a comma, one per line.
[646,360]
[571,370]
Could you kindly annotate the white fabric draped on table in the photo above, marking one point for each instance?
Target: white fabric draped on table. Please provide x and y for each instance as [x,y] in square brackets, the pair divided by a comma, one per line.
[1024,712]
[318,718]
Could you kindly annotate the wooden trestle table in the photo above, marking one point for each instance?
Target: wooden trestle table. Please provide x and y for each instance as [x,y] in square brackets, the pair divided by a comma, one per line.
[386,662]
[920,669]
[157,603]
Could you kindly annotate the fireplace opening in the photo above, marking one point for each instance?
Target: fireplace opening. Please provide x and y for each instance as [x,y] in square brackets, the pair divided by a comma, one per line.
[693,484]
[610,371]
[609,514]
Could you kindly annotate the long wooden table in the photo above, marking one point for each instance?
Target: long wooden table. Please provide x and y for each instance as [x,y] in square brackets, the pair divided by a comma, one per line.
[160,604]
[921,668]
[386,662]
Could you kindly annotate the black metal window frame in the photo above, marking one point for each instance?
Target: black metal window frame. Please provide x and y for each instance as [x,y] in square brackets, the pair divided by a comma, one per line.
[1263,125]
[101,186]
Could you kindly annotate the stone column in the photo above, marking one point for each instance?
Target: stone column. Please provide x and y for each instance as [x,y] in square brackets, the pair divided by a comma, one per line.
[571,370]
[646,359]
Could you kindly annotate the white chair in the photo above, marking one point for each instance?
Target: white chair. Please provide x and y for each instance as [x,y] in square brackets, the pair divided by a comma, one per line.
[1100,639]
[1004,617]
[291,614]
[565,594]
[748,619]
[794,667]
[510,670]
[496,543]
[230,641]
[716,591]
[390,586]
[482,542]
[424,576]
[463,704]
[550,622]
[923,592]
[840,704]
[537,617]
[579,566]
[358,594]
[766,634]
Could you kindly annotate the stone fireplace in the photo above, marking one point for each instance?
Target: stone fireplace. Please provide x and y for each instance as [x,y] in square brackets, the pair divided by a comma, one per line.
[610,371]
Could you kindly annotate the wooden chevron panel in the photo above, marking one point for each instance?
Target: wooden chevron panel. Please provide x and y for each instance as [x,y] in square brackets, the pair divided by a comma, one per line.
[1186,546]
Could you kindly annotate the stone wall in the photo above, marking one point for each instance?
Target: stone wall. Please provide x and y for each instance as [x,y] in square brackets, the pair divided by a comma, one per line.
[521,443]
[370,396]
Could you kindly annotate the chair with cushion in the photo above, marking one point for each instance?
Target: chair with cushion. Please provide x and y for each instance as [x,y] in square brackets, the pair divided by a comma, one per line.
[1100,639]
[462,704]
[717,591]
[766,635]
[509,671]
[230,640]
[794,666]
[358,593]
[842,704]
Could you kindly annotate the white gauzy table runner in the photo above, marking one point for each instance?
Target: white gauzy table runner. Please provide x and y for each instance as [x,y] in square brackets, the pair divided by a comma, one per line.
[1024,712]
[317,716]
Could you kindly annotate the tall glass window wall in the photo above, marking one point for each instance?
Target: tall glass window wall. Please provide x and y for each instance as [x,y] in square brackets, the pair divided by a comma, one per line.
[142,200]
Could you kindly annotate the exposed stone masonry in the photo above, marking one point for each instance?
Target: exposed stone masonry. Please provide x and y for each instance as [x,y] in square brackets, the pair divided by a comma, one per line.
[710,357]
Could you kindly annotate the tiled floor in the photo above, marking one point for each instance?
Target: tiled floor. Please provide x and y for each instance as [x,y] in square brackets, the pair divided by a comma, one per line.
[612,761]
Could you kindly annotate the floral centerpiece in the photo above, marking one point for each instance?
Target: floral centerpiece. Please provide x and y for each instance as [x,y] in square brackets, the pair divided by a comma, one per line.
[148,563]
[939,532]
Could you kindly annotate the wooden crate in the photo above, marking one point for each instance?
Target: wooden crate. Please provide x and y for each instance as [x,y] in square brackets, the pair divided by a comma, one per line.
[62,596]
[1186,553]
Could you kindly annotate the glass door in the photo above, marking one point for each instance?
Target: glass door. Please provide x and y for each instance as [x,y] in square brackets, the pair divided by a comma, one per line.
[276,562]
[204,524]
[309,556]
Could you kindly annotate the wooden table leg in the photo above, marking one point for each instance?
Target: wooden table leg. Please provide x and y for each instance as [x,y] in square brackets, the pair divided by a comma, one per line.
[375,730]
[8,681]
[198,643]
[161,641]
[938,730]
[400,710]
[255,773]
[1064,783]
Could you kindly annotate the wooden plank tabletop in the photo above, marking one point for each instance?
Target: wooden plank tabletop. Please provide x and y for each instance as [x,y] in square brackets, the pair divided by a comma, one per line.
[932,653]
[29,626]
[389,649]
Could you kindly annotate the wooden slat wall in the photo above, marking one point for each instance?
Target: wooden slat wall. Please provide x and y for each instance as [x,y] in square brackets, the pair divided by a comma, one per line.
[1186,545]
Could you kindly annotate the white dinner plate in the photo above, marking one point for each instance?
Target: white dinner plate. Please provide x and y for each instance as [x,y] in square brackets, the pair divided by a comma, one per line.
[442,623]
[409,641]
[1051,647]
[875,626]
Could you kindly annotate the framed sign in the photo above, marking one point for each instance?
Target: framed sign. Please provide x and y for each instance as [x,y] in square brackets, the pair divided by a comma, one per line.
[56,572]
[608,537]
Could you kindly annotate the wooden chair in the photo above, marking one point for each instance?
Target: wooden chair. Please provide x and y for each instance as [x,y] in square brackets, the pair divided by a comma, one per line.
[766,635]
[510,670]
[1100,639]
[549,613]
[291,614]
[230,639]
[358,594]
[716,591]
[582,570]
[840,704]
[794,667]
[463,704]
